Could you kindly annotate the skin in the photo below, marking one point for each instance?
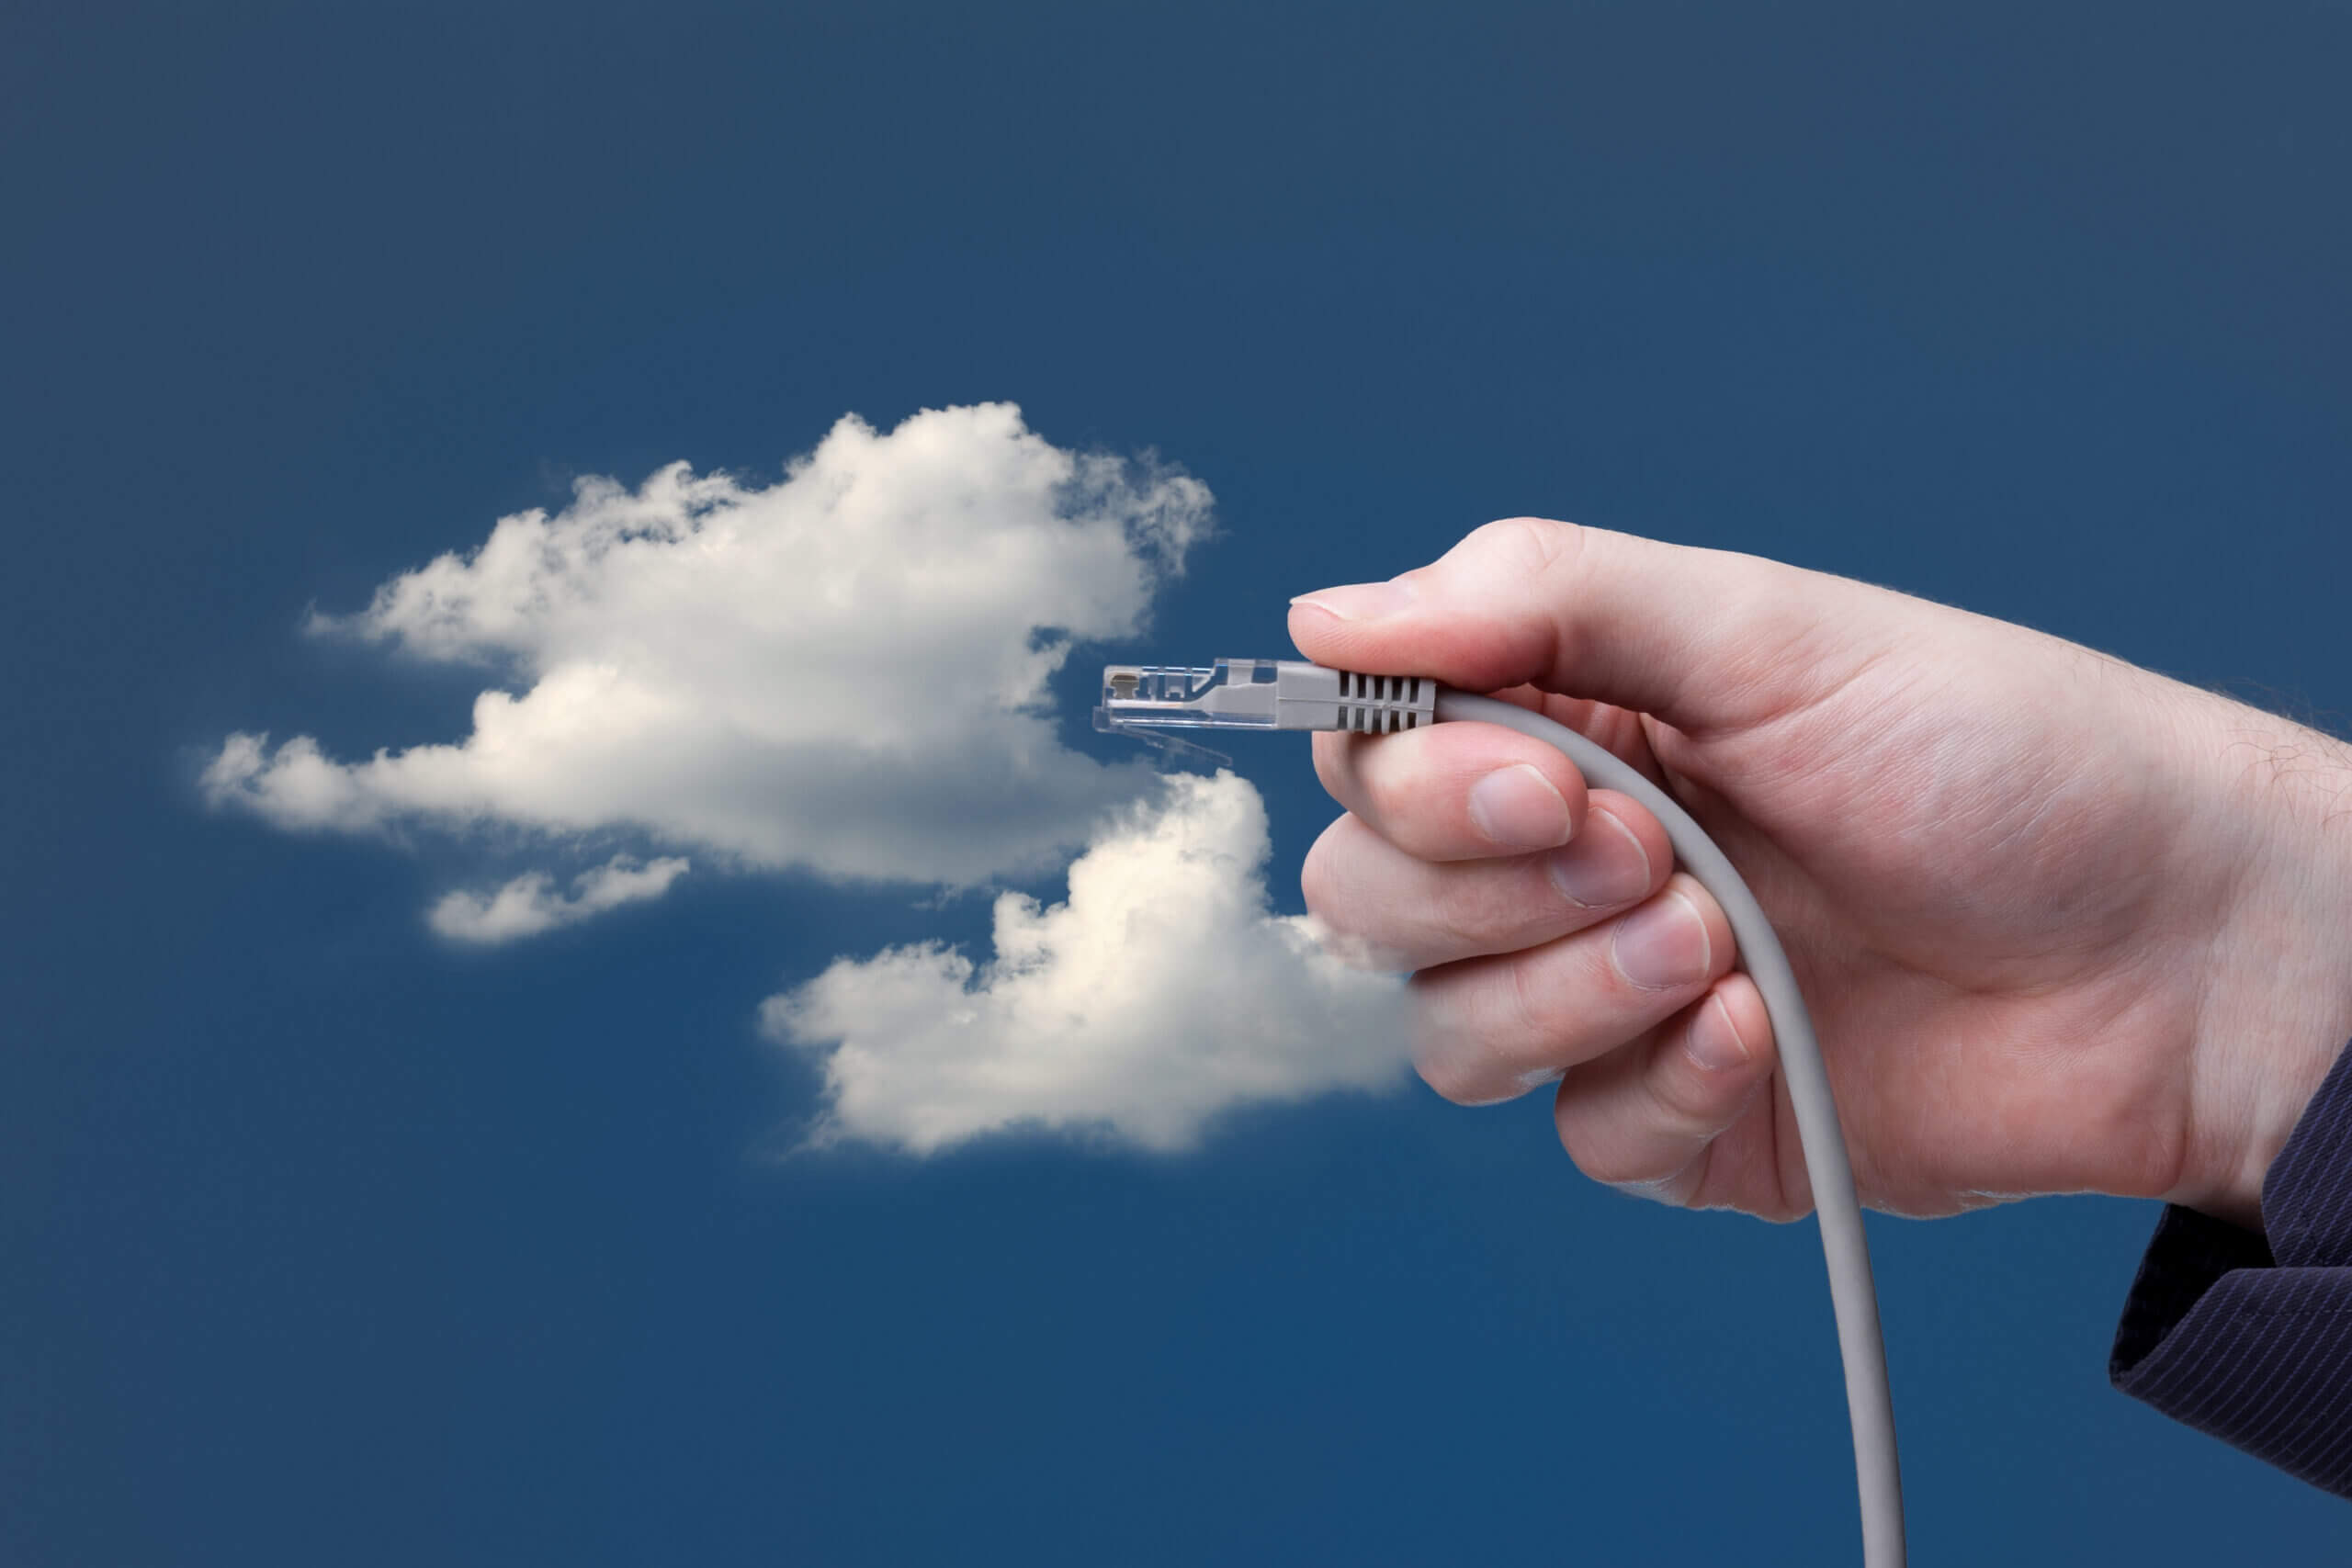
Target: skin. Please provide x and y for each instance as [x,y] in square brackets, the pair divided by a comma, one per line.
[2065,925]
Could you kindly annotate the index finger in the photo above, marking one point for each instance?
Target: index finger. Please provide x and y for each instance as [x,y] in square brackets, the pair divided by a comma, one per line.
[1464,791]
[1704,639]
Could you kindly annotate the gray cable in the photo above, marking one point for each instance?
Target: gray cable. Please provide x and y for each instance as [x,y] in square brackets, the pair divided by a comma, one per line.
[1853,1294]
[1143,699]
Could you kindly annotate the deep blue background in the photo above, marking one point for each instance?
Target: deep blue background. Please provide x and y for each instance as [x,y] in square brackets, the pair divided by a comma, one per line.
[321,1243]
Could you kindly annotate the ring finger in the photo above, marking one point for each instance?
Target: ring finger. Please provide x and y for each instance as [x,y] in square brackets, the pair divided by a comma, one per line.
[1490,1029]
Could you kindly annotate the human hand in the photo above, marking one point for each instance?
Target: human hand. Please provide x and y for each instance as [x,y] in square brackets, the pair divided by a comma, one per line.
[2063,924]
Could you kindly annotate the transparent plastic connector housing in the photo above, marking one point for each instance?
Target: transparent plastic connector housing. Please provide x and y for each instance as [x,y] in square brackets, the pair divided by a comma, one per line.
[1232,693]
[1258,694]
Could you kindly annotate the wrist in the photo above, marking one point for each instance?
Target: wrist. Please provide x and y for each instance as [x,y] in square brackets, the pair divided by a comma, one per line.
[2277,1002]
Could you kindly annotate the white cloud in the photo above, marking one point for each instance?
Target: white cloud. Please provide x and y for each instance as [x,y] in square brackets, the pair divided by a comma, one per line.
[1162,993]
[841,671]
[845,672]
[529,904]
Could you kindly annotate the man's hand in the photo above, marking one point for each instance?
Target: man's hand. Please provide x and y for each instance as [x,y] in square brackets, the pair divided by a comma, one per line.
[2065,925]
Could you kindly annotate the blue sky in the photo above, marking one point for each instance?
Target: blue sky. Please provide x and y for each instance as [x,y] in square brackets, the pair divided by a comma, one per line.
[328,1239]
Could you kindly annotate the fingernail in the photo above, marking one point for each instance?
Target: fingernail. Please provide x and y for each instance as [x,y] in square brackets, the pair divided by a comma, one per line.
[1517,808]
[1360,601]
[1662,944]
[1606,864]
[1713,1042]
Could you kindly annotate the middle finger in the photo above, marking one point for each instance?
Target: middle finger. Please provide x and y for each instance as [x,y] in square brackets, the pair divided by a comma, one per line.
[1403,912]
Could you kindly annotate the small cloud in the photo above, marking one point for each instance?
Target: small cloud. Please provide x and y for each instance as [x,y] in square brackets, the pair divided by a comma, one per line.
[529,904]
[1162,992]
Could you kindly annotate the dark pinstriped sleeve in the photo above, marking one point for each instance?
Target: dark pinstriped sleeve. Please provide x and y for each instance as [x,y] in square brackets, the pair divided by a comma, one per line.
[2252,1340]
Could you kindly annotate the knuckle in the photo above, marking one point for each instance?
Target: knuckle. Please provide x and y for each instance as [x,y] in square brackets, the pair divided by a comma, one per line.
[1467,906]
[1450,1053]
[1345,923]
[1609,1162]
[1585,1157]
[1691,1181]
[1690,1103]
[1319,882]
[1532,544]
[1521,1024]
[1331,762]
[1446,1076]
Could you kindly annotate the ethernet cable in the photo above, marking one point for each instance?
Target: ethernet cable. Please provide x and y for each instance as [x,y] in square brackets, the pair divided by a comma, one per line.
[1288,693]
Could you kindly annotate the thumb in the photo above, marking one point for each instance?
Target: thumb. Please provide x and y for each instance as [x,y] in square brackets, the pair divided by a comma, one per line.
[1704,639]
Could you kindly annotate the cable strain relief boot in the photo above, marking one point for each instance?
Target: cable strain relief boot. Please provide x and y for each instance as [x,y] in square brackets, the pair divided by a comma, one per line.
[1312,697]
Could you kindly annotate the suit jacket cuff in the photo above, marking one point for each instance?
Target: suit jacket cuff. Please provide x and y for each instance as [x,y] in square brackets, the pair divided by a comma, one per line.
[2248,1338]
